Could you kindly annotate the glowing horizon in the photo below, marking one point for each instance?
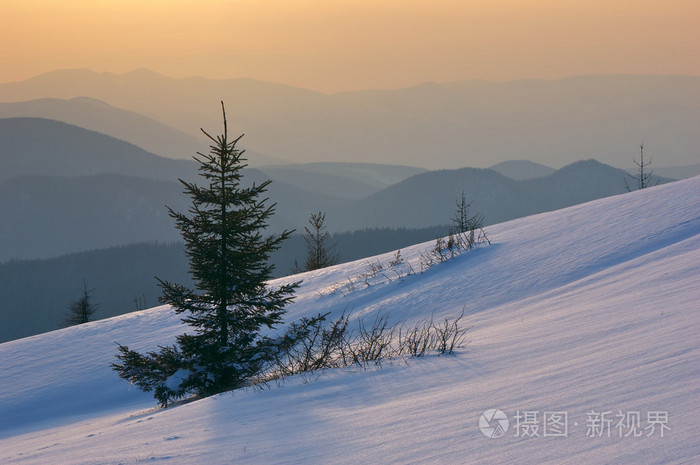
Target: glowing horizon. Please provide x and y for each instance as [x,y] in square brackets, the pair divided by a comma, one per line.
[352,45]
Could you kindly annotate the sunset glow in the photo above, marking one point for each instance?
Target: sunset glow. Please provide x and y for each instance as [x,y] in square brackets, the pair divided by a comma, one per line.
[345,45]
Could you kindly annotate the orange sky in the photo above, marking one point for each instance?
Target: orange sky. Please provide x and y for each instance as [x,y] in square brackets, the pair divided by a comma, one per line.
[333,45]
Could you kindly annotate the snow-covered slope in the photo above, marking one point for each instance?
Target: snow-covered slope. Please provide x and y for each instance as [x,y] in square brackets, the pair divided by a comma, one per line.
[581,311]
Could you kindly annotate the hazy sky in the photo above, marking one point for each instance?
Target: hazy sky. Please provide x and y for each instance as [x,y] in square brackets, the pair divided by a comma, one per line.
[333,45]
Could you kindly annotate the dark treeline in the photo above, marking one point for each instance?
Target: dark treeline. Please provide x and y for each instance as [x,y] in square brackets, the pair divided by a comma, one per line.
[356,244]
[35,294]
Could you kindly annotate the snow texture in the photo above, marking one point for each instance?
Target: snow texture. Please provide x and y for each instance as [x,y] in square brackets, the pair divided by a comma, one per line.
[583,311]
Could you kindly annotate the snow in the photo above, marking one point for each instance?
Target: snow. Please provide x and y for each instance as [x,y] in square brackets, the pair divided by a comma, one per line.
[585,310]
[173,383]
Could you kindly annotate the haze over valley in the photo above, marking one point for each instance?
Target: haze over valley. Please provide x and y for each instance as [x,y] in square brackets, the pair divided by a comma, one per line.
[430,126]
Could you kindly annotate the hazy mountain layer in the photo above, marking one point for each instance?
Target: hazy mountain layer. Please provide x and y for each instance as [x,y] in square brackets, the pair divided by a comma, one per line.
[38,146]
[347,180]
[45,216]
[427,199]
[472,123]
[106,192]
[521,170]
[129,126]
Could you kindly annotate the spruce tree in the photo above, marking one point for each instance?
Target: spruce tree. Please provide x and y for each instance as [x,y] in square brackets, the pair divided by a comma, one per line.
[81,310]
[320,253]
[231,302]
[461,221]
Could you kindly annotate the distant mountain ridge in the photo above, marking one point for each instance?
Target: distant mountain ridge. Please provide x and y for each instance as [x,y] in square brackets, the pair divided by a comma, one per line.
[47,216]
[430,198]
[105,192]
[348,180]
[66,189]
[433,126]
[520,170]
[39,146]
[98,116]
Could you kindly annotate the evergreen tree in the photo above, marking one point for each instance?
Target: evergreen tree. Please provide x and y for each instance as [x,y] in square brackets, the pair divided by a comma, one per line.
[319,252]
[465,232]
[81,310]
[461,221]
[231,302]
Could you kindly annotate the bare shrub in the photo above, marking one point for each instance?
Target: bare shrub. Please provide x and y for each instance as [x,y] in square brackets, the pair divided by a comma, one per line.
[416,340]
[449,336]
[397,260]
[318,343]
[373,342]
[314,344]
